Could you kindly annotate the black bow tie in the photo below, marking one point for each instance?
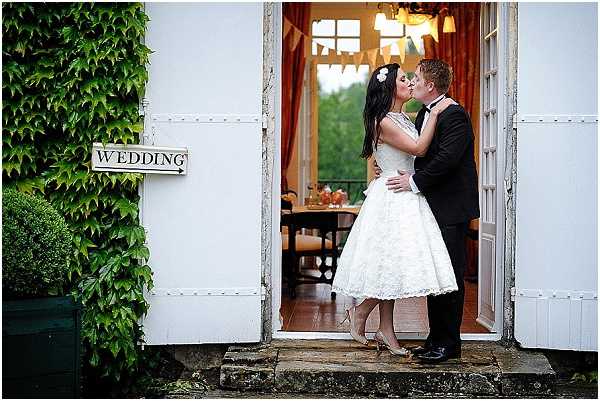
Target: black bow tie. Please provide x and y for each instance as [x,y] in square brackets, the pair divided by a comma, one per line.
[428,109]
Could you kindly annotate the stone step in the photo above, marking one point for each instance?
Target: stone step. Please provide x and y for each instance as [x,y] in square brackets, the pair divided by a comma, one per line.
[342,367]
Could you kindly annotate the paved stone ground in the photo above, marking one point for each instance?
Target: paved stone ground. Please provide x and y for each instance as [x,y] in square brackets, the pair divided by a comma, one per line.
[208,389]
[346,368]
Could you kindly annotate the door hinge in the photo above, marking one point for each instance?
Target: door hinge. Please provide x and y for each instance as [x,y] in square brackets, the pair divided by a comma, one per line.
[514,121]
[264,121]
[513,292]
[263,292]
[143,106]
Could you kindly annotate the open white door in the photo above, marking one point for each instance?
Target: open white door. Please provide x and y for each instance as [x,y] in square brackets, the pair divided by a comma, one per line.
[205,94]
[556,265]
[491,139]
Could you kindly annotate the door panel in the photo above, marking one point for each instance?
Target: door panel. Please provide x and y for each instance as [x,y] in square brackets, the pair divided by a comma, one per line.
[205,94]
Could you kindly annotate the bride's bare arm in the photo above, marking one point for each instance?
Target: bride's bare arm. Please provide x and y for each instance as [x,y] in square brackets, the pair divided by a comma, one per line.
[395,136]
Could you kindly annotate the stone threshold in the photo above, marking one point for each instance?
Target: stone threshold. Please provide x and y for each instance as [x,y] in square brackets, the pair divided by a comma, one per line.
[345,368]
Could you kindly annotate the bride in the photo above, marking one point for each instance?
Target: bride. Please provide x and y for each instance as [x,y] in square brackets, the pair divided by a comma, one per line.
[395,248]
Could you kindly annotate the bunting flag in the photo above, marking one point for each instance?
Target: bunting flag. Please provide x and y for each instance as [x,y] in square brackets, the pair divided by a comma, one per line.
[386,52]
[401,49]
[357,57]
[320,49]
[297,35]
[286,27]
[351,57]
[343,61]
[372,57]
[433,25]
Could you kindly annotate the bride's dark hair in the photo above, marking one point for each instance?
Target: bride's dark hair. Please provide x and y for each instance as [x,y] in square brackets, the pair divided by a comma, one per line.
[380,96]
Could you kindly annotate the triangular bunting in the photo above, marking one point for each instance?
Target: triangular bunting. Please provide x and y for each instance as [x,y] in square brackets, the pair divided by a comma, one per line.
[319,49]
[372,57]
[386,52]
[433,25]
[343,61]
[286,27]
[357,58]
[297,35]
[402,49]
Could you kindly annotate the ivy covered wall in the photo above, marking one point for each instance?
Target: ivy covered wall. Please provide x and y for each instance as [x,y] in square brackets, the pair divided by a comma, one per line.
[73,74]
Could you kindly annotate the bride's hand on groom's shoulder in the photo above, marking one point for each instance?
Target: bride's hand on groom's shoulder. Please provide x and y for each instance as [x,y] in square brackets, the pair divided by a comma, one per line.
[443,105]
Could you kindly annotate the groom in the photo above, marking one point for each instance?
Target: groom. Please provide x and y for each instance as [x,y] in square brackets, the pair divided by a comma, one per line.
[447,177]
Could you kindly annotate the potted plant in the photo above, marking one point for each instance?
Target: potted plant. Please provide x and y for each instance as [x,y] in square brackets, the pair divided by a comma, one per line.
[40,326]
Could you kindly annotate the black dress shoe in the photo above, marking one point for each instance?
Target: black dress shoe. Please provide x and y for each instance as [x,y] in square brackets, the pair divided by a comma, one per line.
[439,354]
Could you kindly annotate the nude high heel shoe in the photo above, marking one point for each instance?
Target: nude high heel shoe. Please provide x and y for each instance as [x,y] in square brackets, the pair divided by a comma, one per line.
[383,342]
[353,332]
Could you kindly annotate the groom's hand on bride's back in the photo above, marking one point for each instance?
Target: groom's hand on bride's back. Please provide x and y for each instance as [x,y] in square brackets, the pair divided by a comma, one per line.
[399,182]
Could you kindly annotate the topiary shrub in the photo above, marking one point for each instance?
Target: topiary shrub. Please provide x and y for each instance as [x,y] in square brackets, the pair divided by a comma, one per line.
[36,246]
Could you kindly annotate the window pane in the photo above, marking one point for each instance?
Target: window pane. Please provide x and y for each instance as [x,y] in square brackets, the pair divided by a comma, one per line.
[325,27]
[348,27]
[392,28]
[348,45]
[418,30]
[331,78]
[322,41]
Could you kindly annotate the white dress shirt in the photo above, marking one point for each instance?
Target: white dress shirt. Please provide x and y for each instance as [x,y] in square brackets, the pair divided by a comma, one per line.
[413,186]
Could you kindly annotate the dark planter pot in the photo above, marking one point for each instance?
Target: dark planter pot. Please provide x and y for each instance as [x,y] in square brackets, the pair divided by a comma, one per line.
[41,348]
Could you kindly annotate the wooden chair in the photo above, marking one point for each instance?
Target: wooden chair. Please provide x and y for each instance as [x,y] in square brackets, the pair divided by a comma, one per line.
[297,245]
[287,198]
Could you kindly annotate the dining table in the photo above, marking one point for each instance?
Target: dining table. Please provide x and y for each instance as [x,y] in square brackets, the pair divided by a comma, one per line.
[348,208]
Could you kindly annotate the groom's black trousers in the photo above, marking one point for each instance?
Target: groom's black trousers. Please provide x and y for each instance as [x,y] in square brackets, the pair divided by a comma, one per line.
[445,311]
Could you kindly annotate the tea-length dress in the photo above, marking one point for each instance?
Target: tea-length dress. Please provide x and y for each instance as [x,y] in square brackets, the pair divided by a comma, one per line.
[395,248]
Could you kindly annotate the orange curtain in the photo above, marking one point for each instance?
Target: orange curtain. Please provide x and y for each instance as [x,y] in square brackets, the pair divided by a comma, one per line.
[461,50]
[292,77]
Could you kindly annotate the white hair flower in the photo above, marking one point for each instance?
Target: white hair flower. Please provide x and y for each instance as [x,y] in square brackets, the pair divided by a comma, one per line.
[382,74]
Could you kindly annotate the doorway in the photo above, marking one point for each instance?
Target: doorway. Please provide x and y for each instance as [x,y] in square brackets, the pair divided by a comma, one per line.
[313,313]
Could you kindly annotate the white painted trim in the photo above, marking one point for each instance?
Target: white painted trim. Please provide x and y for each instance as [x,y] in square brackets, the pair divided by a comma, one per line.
[503,133]
[275,284]
[319,335]
[482,320]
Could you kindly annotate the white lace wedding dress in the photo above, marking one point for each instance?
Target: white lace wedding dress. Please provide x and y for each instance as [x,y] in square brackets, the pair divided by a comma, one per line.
[395,248]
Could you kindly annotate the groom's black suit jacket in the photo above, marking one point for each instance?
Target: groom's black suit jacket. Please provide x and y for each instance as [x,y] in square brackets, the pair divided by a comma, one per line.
[447,174]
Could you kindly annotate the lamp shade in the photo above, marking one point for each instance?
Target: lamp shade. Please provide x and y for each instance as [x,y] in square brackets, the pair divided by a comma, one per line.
[449,24]
[380,21]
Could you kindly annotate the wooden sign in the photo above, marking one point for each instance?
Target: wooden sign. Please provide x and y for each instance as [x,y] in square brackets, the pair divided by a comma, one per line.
[139,159]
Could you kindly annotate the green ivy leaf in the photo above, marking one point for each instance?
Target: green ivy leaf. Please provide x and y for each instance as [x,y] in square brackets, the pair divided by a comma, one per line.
[126,208]
[73,75]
